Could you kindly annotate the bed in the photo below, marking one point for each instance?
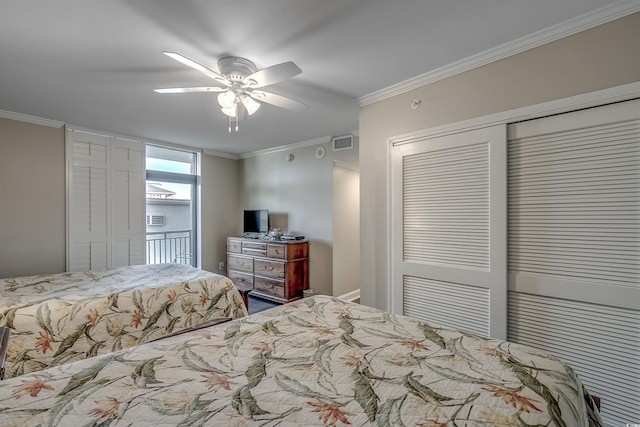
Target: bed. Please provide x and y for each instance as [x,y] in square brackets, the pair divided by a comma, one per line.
[60,318]
[316,361]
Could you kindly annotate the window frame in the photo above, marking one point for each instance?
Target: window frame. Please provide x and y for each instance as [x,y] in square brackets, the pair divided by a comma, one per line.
[192,179]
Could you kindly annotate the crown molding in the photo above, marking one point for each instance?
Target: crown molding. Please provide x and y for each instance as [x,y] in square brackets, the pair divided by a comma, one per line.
[30,119]
[308,143]
[600,16]
[220,154]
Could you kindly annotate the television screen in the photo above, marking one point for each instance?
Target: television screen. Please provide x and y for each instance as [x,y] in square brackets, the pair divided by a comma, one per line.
[256,221]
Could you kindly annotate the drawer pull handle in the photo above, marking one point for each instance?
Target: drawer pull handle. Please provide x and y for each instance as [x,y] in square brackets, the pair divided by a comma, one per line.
[266,267]
[241,279]
[268,285]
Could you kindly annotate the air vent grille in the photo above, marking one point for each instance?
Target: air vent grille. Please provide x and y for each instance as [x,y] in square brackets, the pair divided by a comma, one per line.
[342,142]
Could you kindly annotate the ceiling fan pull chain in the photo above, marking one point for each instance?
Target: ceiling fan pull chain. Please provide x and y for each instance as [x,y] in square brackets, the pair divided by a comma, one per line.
[237,126]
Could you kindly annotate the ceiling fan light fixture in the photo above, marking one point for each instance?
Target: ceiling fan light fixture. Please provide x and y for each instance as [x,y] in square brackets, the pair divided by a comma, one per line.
[227,99]
[251,105]
[231,111]
[240,78]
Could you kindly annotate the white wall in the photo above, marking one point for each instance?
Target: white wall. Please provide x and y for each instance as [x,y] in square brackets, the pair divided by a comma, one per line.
[346,229]
[176,212]
[598,58]
[299,197]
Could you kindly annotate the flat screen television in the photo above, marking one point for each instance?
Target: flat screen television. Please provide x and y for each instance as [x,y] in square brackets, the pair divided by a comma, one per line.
[256,221]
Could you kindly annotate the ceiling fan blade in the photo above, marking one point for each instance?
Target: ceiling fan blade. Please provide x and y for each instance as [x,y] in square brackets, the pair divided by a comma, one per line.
[274,74]
[199,67]
[191,89]
[278,100]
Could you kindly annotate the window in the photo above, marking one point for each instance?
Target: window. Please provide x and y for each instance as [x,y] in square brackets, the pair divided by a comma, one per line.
[171,205]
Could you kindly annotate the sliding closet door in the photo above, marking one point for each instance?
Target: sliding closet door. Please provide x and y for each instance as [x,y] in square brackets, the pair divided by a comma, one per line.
[574,247]
[449,230]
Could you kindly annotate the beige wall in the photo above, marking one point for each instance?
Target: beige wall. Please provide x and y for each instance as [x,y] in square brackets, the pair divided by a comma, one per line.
[219,201]
[32,199]
[299,197]
[599,58]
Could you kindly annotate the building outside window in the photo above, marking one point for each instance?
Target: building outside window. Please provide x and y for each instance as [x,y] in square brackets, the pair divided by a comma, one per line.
[172,207]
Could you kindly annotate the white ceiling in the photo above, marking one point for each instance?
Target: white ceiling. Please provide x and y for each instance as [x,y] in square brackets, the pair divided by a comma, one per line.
[95,63]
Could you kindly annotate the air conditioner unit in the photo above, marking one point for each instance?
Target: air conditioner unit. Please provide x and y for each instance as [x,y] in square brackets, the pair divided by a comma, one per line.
[155,219]
[344,142]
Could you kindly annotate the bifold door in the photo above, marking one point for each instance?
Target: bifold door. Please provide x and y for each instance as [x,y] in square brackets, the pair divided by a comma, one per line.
[105,199]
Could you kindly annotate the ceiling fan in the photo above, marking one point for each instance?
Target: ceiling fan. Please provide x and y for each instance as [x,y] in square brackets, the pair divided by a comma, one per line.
[241,81]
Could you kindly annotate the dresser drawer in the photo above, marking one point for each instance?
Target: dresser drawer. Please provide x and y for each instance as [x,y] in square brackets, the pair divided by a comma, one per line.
[276,251]
[240,263]
[254,252]
[269,268]
[270,286]
[241,279]
[234,246]
[254,245]
[254,248]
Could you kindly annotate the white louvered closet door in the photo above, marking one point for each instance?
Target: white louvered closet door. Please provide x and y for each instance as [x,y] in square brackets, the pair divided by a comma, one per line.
[88,193]
[449,230]
[574,247]
[106,202]
[127,203]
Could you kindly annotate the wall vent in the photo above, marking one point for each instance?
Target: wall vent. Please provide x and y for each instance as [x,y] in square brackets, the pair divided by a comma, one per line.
[344,142]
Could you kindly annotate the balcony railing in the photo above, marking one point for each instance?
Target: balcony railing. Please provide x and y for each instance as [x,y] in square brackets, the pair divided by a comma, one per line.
[169,246]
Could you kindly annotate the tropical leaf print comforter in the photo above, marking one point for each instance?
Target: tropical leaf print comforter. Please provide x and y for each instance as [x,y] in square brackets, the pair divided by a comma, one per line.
[318,361]
[59,318]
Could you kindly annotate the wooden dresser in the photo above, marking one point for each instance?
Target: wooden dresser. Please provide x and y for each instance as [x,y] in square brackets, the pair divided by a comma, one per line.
[276,270]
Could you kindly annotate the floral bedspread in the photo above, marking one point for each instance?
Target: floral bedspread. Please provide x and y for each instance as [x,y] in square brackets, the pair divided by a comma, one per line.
[317,361]
[59,318]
